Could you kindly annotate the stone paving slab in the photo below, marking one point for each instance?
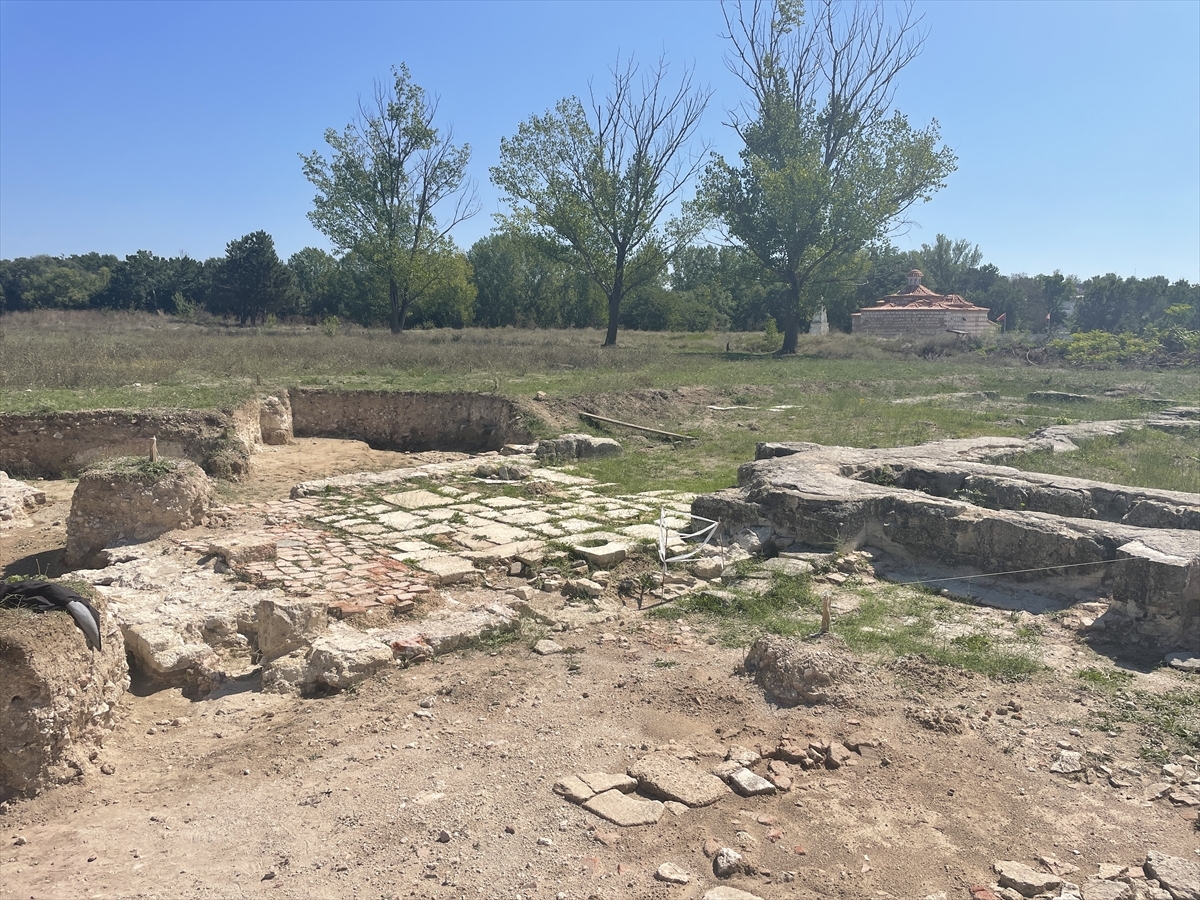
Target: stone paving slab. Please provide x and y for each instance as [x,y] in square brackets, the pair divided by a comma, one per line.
[503,502]
[527,517]
[419,499]
[662,775]
[399,520]
[490,556]
[578,526]
[447,569]
[624,809]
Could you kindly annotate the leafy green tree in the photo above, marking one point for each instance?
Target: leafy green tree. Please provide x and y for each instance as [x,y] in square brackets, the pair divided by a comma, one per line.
[451,303]
[522,282]
[69,282]
[946,263]
[383,193]
[251,282]
[317,276]
[1057,291]
[741,291]
[1114,304]
[825,170]
[596,182]
[141,281]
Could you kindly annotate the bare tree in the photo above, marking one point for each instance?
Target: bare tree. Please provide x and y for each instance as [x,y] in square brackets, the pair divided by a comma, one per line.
[595,182]
[390,172]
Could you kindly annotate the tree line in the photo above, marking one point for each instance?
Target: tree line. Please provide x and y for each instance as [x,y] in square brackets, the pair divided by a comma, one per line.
[601,230]
[507,280]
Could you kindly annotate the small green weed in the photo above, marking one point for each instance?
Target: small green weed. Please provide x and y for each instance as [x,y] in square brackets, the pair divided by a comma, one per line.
[496,639]
[138,467]
[1107,680]
[976,642]
[788,607]
[1168,721]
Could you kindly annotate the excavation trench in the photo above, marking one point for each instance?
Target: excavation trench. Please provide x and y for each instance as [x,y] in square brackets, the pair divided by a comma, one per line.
[222,441]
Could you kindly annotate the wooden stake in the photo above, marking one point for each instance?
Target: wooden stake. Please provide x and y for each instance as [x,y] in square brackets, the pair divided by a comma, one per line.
[608,421]
[154,449]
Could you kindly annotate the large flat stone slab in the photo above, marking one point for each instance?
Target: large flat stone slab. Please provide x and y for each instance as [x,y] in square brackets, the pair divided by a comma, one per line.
[625,809]
[947,505]
[600,782]
[662,775]
[448,569]
[398,521]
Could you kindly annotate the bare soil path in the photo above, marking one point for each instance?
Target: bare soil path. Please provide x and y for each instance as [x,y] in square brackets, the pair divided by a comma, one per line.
[437,780]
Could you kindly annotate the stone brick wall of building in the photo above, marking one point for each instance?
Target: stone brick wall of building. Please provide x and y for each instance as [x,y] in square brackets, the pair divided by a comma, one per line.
[920,322]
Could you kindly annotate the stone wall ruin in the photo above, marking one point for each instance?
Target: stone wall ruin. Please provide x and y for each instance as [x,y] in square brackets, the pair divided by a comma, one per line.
[222,441]
[409,421]
[58,445]
[943,505]
[59,697]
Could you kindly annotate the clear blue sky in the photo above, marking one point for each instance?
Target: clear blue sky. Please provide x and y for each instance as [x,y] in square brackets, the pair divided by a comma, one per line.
[175,127]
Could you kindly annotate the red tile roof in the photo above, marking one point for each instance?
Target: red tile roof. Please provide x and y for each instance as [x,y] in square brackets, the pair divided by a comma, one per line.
[921,297]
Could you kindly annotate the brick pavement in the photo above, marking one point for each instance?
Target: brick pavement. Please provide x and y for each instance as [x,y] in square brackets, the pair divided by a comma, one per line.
[373,548]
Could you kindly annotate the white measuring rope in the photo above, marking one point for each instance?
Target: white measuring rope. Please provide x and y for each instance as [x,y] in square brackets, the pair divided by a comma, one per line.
[707,533]
[1099,562]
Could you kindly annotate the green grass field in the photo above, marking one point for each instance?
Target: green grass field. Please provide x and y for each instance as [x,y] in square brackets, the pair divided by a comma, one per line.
[839,389]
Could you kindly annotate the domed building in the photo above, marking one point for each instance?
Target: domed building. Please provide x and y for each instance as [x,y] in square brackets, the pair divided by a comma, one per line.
[917,310]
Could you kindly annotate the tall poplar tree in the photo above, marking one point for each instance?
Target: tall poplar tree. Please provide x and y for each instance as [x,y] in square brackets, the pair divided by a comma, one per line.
[392,190]
[826,166]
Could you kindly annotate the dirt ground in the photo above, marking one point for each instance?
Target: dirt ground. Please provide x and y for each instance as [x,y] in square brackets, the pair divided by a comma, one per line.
[436,780]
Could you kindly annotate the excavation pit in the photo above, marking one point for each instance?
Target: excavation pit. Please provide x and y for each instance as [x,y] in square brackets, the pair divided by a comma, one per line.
[223,441]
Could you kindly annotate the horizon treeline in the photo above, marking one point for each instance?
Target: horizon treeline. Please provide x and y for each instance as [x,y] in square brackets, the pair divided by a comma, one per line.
[511,280]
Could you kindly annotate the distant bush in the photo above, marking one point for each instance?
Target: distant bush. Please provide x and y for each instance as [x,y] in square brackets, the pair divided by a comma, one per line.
[1171,346]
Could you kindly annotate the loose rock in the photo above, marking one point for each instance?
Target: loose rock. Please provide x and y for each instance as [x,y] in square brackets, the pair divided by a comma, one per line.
[727,862]
[1068,762]
[1180,877]
[600,782]
[748,784]
[672,874]
[1024,880]
[573,789]
[1097,889]
[724,892]
[547,648]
